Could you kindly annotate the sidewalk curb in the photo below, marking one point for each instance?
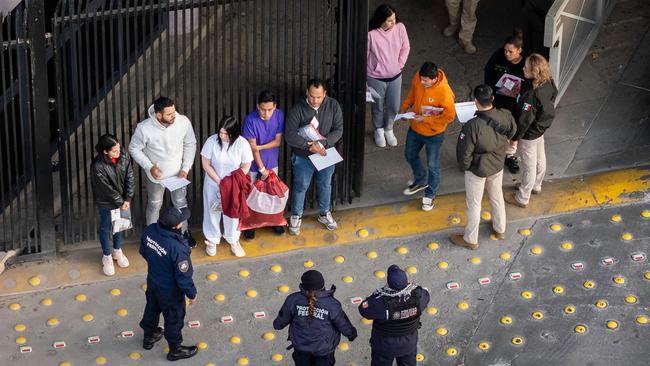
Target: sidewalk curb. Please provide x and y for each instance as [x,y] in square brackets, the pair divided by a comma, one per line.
[355,226]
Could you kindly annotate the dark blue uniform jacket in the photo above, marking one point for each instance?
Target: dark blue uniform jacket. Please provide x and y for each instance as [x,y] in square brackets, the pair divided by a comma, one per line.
[373,307]
[322,333]
[168,255]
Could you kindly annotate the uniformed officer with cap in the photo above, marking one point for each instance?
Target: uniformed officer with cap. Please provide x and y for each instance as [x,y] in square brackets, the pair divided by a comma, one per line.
[169,281]
[395,310]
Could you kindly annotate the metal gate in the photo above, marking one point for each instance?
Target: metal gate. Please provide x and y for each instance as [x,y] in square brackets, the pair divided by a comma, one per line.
[114,57]
[26,196]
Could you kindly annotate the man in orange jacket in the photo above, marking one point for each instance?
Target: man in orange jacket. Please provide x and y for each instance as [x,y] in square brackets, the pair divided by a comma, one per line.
[432,101]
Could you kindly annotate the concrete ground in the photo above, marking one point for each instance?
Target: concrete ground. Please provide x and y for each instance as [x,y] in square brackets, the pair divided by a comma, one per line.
[66,313]
[602,122]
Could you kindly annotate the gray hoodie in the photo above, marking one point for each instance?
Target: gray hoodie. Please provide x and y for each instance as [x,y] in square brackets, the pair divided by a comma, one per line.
[171,148]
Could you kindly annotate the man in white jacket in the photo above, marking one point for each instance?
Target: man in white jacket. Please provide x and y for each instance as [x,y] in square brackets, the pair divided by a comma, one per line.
[164,146]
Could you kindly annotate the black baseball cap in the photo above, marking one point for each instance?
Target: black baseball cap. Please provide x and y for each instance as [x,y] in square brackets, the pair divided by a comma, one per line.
[174,216]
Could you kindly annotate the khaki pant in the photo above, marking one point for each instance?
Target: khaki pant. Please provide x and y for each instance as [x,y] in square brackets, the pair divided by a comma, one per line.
[533,164]
[463,13]
[474,194]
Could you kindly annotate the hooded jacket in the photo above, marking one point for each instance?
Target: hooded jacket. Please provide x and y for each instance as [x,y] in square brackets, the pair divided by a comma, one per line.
[483,140]
[330,124]
[439,95]
[537,107]
[112,184]
[374,307]
[171,148]
[321,333]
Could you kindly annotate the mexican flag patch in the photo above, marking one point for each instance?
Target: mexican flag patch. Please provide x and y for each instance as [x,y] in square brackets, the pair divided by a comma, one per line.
[527,107]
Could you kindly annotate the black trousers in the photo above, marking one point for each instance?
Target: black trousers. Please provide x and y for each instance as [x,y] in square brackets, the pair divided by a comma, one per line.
[309,359]
[172,306]
[380,360]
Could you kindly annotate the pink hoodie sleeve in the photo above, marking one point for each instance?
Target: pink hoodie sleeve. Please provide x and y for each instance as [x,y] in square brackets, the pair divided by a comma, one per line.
[406,46]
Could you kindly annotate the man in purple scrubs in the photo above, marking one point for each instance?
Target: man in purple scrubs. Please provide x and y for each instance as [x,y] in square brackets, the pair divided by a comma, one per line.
[263,129]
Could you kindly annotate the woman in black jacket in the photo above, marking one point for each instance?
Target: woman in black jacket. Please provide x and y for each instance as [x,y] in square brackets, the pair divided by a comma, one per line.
[316,321]
[113,188]
[509,59]
[537,110]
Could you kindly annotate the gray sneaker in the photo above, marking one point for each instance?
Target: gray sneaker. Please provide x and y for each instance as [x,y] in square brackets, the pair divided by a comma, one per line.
[294,225]
[328,221]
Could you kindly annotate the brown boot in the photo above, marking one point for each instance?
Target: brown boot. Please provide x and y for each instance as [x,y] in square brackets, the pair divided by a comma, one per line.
[498,236]
[457,239]
[510,198]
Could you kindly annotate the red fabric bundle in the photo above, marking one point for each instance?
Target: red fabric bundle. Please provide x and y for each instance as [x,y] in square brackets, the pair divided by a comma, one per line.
[266,203]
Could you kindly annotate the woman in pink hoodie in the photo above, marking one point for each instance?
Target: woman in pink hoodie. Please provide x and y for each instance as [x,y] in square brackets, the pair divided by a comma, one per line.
[388,49]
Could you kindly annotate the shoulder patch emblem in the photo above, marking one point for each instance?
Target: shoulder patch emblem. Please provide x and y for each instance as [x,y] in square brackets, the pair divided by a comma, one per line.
[461,136]
[527,107]
[364,304]
[183,266]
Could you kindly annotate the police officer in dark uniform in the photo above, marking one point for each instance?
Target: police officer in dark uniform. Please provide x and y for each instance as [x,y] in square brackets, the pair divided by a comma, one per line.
[169,281]
[316,321]
[395,310]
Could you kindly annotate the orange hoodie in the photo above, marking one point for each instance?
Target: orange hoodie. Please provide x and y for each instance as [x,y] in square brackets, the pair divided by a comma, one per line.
[439,95]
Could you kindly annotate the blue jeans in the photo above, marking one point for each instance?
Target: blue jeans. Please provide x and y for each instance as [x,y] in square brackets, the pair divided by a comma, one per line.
[432,144]
[105,230]
[302,172]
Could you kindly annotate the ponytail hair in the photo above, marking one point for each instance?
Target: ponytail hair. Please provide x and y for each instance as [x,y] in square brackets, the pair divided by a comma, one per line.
[311,302]
[516,38]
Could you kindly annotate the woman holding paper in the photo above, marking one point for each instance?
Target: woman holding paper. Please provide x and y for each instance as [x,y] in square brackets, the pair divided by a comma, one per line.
[504,73]
[537,110]
[221,156]
[113,187]
[388,49]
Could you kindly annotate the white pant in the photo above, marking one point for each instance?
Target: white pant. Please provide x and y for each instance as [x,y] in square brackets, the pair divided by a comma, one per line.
[533,163]
[474,195]
[212,219]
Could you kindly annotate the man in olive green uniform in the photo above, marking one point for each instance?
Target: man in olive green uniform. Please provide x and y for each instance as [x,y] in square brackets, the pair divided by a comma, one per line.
[480,152]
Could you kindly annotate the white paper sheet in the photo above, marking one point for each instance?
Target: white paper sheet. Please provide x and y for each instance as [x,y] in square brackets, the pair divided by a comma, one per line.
[465,111]
[174,183]
[407,115]
[322,162]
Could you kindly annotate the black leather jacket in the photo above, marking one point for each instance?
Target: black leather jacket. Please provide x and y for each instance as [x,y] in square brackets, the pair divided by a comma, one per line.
[112,184]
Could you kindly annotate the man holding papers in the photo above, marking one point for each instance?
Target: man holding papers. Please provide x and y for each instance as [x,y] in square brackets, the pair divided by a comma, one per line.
[164,146]
[432,101]
[313,126]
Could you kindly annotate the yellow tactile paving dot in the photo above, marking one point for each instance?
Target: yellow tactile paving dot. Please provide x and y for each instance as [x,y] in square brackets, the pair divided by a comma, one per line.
[402,250]
[115,292]
[308,264]
[339,259]
[34,281]
[14,306]
[202,345]
[243,361]
[433,246]
[268,336]
[46,301]
[244,273]
[81,297]
[371,254]
[101,360]
[627,236]
[344,346]
[135,355]
[525,232]
[219,297]
[486,216]
[212,276]
[616,218]
[277,357]
[379,274]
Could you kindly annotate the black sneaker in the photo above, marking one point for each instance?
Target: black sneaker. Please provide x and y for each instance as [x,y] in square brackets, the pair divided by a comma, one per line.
[512,163]
[178,352]
[278,230]
[249,234]
[414,188]
[151,339]
[190,239]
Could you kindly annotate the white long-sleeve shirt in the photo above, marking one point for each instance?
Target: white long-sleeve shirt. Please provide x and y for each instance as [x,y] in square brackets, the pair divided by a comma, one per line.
[170,148]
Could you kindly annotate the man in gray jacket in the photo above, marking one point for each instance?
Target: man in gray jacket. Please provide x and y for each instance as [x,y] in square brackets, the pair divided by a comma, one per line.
[164,146]
[313,125]
[480,152]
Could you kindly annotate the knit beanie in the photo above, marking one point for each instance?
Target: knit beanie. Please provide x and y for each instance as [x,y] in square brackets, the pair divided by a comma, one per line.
[312,280]
[397,279]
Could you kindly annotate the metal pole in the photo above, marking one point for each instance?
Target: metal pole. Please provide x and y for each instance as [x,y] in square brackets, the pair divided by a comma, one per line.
[41,117]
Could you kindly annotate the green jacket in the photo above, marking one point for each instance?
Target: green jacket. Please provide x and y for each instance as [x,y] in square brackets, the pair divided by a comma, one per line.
[482,142]
[537,106]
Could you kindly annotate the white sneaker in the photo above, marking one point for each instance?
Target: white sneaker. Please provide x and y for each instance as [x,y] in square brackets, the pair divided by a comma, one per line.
[390,138]
[380,139]
[108,268]
[328,221]
[294,225]
[427,204]
[121,259]
[210,249]
[237,250]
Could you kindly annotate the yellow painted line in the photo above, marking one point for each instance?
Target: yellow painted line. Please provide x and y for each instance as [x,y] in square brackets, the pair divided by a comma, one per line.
[381,222]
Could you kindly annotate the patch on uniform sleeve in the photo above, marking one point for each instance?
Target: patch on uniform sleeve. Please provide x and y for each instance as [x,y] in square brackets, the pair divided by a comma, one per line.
[364,304]
[183,266]
[527,107]
[461,136]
